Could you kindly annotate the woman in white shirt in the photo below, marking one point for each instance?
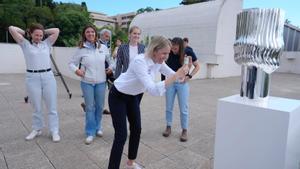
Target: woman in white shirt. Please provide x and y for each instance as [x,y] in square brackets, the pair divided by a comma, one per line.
[40,81]
[92,56]
[124,101]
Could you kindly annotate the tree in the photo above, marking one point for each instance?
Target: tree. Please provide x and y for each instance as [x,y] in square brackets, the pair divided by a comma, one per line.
[142,10]
[70,19]
[188,2]
[14,12]
[120,34]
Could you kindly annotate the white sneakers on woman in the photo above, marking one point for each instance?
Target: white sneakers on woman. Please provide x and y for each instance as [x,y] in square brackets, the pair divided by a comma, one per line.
[89,140]
[55,137]
[133,166]
[36,133]
[99,133]
[33,134]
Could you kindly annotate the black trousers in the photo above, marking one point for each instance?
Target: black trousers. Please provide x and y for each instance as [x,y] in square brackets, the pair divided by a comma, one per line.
[121,106]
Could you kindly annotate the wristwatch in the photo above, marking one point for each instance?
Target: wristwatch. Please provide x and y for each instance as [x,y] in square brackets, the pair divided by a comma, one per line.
[190,76]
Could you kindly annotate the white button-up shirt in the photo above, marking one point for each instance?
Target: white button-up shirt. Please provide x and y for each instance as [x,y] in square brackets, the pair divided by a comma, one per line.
[140,77]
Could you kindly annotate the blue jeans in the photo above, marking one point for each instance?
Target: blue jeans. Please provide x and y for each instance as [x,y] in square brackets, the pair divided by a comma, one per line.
[94,95]
[42,86]
[182,91]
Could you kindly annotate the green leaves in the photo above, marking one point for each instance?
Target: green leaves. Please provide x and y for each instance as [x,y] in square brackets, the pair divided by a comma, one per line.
[69,17]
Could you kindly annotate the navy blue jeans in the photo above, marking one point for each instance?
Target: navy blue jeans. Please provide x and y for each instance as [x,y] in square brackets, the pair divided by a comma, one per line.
[121,106]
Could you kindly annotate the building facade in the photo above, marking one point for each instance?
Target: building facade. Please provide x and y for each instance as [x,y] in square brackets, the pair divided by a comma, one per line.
[291,35]
[123,20]
[101,19]
[120,20]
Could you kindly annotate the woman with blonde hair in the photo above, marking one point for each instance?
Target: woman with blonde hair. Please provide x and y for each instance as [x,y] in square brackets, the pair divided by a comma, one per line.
[127,52]
[124,97]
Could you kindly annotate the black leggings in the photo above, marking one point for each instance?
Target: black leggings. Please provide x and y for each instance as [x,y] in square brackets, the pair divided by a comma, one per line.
[122,105]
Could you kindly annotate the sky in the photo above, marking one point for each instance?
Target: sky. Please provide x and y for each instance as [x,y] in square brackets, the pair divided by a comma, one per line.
[114,7]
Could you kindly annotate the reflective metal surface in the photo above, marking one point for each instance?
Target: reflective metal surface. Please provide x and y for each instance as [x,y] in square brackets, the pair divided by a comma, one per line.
[258,46]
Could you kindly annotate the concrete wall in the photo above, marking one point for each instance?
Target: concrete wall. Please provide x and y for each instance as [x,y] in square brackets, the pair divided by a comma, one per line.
[12,60]
[210,27]
[290,62]
[62,56]
[226,30]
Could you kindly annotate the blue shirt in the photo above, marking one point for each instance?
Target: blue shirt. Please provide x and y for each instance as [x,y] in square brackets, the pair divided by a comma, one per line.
[174,62]
[190,52]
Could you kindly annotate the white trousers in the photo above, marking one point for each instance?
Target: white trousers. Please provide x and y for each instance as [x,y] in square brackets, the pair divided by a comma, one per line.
[42,86]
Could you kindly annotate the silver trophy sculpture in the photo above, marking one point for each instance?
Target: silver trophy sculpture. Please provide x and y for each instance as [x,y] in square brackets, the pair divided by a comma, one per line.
[258,46]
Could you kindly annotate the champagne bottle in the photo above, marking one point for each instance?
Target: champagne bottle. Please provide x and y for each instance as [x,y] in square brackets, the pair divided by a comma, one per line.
[185,66]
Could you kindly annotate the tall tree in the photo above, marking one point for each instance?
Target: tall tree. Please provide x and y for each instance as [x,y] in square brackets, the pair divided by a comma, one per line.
[14,12]
[142,10]
[70,19]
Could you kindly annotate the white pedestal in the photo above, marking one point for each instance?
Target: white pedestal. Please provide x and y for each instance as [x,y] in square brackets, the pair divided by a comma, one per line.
[252,135]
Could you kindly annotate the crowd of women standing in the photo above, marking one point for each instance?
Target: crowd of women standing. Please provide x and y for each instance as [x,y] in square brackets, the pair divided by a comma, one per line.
[134,71]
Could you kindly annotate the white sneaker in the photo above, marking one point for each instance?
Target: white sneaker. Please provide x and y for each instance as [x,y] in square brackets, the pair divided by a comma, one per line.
[99,133]
[89,140]
[33,134]
[55,137]
[134,166]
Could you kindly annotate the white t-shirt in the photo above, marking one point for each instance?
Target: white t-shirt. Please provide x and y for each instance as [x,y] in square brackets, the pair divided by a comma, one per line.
[133,51]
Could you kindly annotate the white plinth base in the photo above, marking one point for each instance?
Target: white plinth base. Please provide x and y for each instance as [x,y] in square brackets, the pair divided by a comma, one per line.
[251,135]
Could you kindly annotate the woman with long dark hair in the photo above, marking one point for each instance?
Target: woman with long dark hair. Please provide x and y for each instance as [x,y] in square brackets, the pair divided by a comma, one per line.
[179,88]
[92,56]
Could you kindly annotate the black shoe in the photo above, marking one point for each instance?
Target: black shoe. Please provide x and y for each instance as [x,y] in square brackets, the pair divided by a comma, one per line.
[83,106]
[105,111]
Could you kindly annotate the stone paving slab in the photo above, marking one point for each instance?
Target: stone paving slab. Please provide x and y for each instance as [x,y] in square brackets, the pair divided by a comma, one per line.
[156,152]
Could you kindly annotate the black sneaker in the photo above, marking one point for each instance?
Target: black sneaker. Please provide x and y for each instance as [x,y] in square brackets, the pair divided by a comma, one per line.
[105,111]
[83,106]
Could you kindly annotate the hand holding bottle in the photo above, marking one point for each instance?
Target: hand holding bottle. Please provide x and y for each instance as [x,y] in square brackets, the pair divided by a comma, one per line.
[185,68]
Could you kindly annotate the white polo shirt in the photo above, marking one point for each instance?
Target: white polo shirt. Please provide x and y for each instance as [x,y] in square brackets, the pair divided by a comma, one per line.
[37,56]
[140,76]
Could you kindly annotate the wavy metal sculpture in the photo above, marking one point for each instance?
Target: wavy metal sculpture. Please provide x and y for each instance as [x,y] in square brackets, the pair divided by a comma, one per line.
[258,46]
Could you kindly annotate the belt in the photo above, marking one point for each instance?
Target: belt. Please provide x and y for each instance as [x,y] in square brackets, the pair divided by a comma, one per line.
[38,71]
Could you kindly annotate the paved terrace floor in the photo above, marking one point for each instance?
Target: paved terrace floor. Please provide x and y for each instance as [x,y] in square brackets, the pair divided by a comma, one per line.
[155,152]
